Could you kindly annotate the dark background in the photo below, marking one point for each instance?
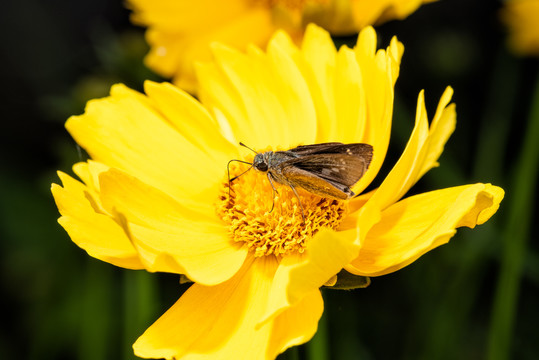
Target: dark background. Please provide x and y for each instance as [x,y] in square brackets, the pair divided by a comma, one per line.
[59,303]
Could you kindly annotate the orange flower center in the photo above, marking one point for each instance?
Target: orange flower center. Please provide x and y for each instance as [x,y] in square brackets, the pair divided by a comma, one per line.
[295,5]
[249,215]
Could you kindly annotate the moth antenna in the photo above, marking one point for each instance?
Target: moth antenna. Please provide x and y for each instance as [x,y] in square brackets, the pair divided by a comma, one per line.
[242,144]
[274,191]
[235,177]
[299,201]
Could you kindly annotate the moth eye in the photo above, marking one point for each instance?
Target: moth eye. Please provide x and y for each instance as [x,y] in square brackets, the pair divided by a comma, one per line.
[262,166]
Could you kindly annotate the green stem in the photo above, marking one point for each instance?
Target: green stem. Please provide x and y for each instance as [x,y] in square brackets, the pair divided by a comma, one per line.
[520,195]
[318,347]
[140,307]
[97,315]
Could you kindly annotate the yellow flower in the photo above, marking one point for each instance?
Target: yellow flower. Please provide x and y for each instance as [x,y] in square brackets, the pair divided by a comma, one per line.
[155,194]
[521,18]
[180,32]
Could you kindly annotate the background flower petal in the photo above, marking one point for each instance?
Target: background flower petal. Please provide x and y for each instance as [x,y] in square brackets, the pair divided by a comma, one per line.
[171,236]
[183,16]
[373,12]
[520,17]
[418,224]
[180,32]
[125,131]
[89,228]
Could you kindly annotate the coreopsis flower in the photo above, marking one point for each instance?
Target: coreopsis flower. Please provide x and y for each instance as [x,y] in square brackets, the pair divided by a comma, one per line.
[522,18]
[180,32]
[155,194]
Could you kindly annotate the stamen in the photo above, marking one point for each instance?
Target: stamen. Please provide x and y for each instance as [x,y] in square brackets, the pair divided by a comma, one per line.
[247,210]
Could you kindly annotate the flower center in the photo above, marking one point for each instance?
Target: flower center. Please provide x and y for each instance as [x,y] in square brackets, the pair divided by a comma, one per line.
[297,5]
[250,218]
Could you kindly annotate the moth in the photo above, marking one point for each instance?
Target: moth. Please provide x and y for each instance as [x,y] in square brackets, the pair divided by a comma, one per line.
[328,169]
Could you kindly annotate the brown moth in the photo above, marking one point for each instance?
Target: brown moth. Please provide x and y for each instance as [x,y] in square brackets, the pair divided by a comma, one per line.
[327,169]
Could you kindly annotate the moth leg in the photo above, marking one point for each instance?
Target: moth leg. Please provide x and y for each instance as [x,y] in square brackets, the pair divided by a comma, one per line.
[274,192]
[299,201]
[235,177]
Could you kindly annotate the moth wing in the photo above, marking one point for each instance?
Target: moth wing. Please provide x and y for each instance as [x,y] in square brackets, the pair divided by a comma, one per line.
[342,168]
[316,148]
[359,149]
[298,177]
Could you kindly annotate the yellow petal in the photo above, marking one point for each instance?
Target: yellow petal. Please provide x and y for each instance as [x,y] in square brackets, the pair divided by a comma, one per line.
[89,228]
[250,119]
[223,100]
[418,224]
[298,123]
[126,132]
[299,275]
[379,71]
[272,106]
[180,32]
[191,120]
[350,98]
[375,12]
[441,128]
[183,16]
[297,324]
[178,237]
[520,17]
[89,172]
[318,64]
[334,16]
[219,322]
[253,27]
[421,153]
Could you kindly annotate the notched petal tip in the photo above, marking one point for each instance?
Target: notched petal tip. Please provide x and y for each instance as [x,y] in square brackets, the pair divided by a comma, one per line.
[487,203]
[89,227]
[413,226]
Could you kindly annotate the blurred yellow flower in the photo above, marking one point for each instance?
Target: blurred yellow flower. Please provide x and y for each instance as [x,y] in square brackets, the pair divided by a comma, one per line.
[180,32]
[522,19]
[155,194]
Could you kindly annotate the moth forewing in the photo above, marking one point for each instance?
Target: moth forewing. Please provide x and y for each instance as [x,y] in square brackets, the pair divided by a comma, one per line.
[358,149]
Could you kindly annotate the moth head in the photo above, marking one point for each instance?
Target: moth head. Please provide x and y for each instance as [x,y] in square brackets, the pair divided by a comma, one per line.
[260,163]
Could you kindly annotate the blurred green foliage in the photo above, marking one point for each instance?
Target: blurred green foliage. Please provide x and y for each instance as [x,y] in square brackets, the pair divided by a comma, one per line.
[475,298]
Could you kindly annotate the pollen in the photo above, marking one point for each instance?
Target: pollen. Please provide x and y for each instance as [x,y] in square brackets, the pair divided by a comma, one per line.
[271,223]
